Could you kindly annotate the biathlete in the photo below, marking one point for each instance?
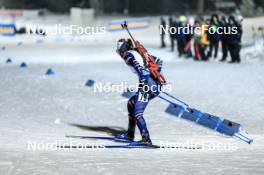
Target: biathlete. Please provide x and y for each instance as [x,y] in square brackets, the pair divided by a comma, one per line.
[149,87]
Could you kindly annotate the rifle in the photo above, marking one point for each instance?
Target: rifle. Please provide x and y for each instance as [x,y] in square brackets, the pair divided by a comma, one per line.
[152,66]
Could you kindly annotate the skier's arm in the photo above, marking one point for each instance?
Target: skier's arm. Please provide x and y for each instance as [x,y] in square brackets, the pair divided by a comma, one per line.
[132,62]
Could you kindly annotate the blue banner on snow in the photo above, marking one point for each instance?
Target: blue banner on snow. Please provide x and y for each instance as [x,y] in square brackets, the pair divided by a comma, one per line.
[141,23]
[7,29]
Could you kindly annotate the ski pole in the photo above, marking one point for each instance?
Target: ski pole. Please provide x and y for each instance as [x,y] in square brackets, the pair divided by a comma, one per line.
[124,26]
[167,100]
[176,99]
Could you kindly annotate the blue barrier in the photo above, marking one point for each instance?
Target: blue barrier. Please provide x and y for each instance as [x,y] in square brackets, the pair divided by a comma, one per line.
[23,65]
[8,60]
[50,71]
[223,126]
[90,83]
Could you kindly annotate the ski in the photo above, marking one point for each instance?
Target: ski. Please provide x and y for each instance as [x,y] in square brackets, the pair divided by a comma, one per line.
[99,138]
[126,147]
[130,145]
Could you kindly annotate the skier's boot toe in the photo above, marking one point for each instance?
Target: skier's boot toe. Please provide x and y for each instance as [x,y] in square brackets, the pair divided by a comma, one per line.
[124,137]
[144,141]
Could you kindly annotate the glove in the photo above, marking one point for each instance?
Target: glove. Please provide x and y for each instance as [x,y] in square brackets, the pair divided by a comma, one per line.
[130,44]
[146,64]
[143,84]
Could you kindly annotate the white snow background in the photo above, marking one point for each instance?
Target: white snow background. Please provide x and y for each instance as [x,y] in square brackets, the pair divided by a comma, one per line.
[39,108]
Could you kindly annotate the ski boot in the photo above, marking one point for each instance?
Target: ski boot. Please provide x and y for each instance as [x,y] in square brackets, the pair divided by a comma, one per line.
[143,142]
[124,137]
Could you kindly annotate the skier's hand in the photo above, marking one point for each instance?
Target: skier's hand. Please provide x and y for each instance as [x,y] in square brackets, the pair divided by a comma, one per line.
[146,64]
[143,84]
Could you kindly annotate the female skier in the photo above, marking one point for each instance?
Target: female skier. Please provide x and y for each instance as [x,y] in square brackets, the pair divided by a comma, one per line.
[148,88]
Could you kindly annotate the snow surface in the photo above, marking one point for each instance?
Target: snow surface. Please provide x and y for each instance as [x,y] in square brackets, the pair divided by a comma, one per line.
[42,109]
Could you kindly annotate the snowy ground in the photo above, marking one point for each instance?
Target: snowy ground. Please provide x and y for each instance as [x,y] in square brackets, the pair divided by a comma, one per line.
[39,108]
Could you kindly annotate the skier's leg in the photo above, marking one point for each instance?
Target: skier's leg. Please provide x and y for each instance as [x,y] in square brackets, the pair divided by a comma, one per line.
[130,133]
[141,101]
[139,108]
[142,126]
[131,119]
[141,123]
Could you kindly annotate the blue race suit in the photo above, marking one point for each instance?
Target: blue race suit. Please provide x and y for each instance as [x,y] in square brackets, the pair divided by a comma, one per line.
[137,104]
